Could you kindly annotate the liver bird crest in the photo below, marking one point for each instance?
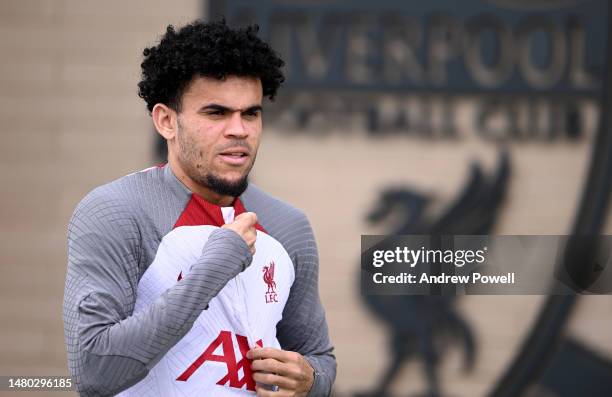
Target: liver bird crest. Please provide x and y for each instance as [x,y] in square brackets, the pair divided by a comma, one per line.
[268,277]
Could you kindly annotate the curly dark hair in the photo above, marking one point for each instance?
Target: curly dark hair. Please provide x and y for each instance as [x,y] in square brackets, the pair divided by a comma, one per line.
[206,49]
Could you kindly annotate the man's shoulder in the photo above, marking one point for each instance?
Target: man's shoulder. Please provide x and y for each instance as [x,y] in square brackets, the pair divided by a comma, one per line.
[123,194]
[286,223]
[266,205]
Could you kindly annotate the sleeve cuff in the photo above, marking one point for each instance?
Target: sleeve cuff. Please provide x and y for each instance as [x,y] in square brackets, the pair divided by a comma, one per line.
[320,387]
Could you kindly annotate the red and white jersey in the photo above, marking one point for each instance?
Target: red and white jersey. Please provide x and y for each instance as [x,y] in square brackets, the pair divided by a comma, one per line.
[210,360]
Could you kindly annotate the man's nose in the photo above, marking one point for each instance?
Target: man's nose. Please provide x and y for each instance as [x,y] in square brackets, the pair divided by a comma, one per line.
[236,127]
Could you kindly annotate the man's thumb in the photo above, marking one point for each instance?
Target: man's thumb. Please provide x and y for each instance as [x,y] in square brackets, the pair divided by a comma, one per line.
[249,217]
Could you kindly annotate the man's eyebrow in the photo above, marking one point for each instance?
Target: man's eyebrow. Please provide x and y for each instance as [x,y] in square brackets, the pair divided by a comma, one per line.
[254,108]
[214,106]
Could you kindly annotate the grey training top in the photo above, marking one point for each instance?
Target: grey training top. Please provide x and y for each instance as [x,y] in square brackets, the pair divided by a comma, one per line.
[113,237]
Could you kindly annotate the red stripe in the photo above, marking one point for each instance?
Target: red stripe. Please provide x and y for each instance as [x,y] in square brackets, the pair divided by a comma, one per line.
[199,212]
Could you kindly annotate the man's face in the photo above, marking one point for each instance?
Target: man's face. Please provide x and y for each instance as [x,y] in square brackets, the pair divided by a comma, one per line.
[219,129]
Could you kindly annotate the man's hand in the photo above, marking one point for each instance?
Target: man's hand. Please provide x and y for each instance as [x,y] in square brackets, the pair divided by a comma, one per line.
[244,225]
[288,370]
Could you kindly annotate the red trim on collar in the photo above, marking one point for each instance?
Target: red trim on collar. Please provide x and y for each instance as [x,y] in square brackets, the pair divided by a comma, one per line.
[199,212]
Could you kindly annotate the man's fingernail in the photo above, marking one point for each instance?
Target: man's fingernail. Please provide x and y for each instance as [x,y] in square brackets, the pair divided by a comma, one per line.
[249,355]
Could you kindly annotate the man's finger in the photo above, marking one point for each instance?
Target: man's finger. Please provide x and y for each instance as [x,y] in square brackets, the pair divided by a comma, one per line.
[263,392]
[244,225]
[273,379]
[269,352]
[248,217]
[273,366]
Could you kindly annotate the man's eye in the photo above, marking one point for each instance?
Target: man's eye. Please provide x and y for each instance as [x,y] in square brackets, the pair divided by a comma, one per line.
[216,113]
[251,113]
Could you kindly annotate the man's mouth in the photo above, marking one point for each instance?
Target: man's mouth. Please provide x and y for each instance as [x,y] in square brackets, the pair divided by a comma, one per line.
[235,156]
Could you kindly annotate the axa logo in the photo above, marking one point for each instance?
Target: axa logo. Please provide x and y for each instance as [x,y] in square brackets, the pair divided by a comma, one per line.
[232,378]
[268,277]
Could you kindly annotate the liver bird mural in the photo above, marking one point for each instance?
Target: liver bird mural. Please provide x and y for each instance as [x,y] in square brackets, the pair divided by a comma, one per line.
[425,327]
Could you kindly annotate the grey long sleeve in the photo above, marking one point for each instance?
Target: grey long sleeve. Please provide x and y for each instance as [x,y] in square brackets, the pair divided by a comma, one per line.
[109,349]
[303,328]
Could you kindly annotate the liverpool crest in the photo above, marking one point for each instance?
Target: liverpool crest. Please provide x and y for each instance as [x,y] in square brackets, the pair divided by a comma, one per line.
[268,277]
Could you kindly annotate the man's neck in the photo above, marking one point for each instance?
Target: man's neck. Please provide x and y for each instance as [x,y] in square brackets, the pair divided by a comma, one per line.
[202,191]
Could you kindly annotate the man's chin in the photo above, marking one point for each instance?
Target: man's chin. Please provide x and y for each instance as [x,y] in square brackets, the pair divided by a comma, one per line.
[226,186]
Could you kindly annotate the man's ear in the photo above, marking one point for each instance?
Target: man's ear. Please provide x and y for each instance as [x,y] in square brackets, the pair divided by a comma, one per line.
[165,121]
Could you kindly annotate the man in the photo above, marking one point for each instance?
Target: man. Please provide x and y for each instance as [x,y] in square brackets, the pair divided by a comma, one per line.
[185,279]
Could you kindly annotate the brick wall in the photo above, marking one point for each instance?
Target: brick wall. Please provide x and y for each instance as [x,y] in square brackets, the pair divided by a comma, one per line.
[71,120]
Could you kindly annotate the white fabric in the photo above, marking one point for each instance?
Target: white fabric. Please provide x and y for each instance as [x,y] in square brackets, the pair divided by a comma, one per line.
[240,307]
[228,214]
